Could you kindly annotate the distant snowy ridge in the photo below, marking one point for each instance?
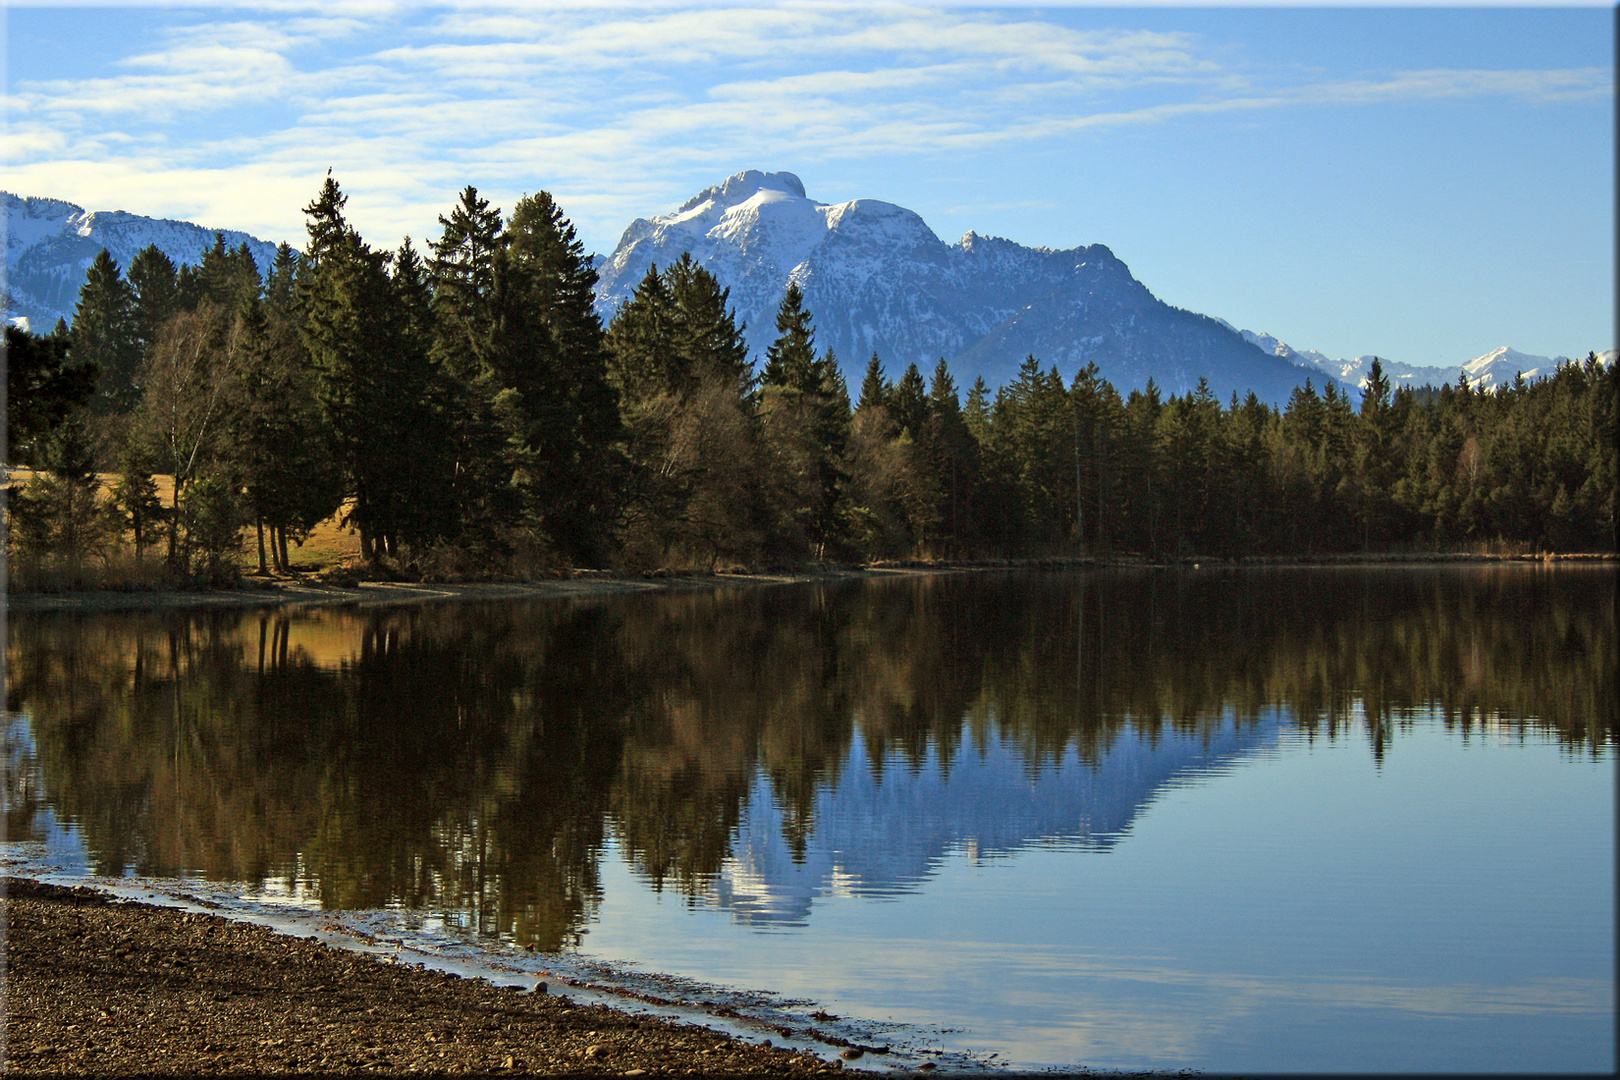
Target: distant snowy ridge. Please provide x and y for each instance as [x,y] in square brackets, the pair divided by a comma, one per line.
[1495,369]
[50,245]
[877,279]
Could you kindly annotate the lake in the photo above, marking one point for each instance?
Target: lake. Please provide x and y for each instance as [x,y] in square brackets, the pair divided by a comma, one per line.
[1303,820]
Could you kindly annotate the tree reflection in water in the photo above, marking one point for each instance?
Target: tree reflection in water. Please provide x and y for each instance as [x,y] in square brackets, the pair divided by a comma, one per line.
[472,758]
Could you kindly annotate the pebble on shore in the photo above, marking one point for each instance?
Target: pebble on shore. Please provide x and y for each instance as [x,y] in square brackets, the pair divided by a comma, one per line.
[98,985]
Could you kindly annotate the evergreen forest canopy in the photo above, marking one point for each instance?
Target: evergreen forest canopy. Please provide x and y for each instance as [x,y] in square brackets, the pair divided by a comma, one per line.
[467,412]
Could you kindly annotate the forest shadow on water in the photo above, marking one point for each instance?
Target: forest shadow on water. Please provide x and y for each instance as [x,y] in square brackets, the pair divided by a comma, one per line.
[479,757]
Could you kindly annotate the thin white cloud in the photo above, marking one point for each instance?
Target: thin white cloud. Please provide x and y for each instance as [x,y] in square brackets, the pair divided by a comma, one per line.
[599,100]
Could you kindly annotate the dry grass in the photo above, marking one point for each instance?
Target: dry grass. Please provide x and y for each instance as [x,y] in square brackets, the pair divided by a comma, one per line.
[330,546]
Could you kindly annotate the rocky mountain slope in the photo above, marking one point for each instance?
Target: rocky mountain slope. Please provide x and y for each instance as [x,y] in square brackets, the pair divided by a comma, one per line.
[878,280]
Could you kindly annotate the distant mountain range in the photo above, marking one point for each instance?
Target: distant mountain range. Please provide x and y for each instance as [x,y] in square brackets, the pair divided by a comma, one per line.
[874,275]
[50,244]
[878,280]
[1495,369]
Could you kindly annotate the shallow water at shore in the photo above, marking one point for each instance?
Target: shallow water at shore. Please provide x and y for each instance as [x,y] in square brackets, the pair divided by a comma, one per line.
[1288,820]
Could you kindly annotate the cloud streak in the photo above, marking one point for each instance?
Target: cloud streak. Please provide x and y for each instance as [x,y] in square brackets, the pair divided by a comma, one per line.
[410,104]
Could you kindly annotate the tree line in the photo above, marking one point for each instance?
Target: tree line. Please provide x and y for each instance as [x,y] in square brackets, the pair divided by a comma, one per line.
[468,413]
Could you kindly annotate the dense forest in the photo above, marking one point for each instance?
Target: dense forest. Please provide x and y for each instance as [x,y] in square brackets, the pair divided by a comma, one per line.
[469,414]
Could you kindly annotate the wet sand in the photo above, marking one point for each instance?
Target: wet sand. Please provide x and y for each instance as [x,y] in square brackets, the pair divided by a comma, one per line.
[96,985]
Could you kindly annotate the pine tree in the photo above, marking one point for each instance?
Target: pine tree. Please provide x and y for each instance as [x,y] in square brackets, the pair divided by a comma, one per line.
[551,362]
[45,384]
[155,284]
[790,359]
[875,388]
[105,334]
[354,332]
[680,364]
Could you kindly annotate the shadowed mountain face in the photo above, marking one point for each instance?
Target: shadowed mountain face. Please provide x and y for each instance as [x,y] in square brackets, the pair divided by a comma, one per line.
[879,280]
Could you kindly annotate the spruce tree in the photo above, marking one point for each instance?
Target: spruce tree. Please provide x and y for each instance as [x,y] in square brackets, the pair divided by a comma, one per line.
[105,334]
[278,445]
[281,284]
[45,384]
[354,332]
[706,333]
[875,388]
[680,364]
[462,273]
[790,359]
[560,411]
[908,403]
[155,283]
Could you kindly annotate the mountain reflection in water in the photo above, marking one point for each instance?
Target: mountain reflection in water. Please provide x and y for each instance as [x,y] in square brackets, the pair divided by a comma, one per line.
[753,748]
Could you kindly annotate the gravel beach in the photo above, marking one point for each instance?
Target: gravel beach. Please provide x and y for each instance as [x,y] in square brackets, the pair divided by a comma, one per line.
[96,985]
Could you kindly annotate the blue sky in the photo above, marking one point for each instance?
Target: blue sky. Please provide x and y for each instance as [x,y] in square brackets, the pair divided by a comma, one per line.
[1424,184]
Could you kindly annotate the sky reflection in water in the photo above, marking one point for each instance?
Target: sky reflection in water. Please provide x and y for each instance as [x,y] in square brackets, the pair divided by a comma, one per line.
[1268,821]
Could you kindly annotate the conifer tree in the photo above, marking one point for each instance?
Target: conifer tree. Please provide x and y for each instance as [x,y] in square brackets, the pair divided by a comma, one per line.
[790,360]
[155,284]
[281,283]
[875,388]
[949,451]
[680,365]
[908,403]
[45,384]
[550,362]
[278,445]
[354,332]
[462,273]
[105,334]
[706,333]
[804,408]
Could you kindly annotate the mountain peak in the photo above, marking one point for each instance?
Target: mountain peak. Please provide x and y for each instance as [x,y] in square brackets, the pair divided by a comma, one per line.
[879,280]
[741,187]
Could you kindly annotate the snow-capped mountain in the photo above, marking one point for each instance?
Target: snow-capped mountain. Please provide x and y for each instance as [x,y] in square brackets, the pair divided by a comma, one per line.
[50,244]
[877,279]
[1495,369]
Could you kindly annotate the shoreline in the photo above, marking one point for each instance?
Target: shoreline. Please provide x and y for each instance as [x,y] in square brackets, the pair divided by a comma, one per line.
[294,593]
[104,985]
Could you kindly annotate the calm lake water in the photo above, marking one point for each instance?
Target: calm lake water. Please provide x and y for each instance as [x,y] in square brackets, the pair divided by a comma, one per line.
[1341,820]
